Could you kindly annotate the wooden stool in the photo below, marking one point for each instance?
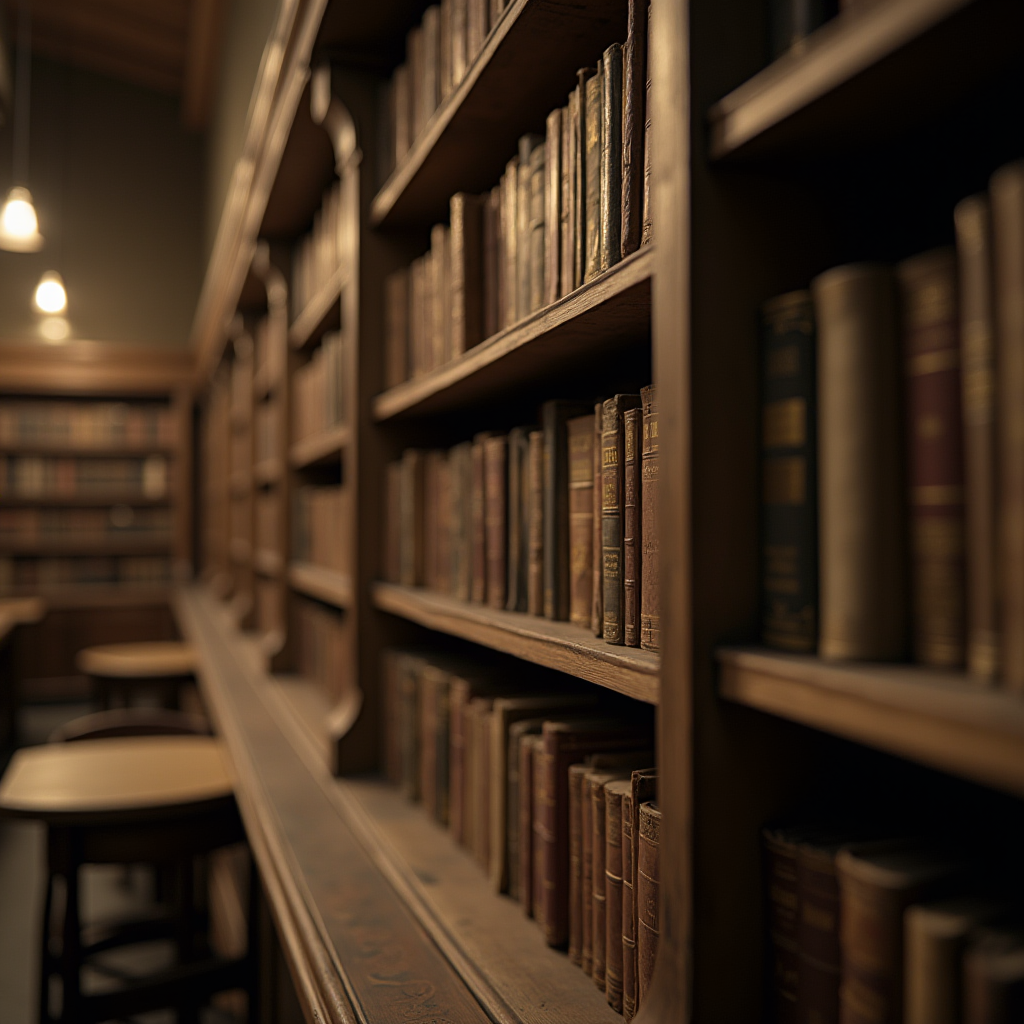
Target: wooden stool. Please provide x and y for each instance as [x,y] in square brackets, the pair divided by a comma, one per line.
[157,799]
[125,667]
[14,612]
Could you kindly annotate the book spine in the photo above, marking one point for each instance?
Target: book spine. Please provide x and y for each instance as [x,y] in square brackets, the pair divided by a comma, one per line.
[972,218]
[396,327]
[628,951]
[611,157]
[458,42]
[403,111]
[510,237]
[581,519]
[934,457]
[443,750]
[552,206]
[613,896]
[444,72]
[492,311]
[817,890]
[594,113]
[465,245]
[430,88]
[634,89]
[579,187]
[476,29]
[496,518]
[478,524]
[543,831]
[556,512]
[427,728]
[461,460]
[783,915]
[409,731]
[528,751]
[527,144]
[1006,191]
[861,502]
[576,773]
[456,760]
[647,232]
[411,512]
[496,8]
[567,206]
[650,561]
[612,458]
[647,898]
[599,902]
[632,543]
[512,813]
[535,569]
[586,878]
[516,589]
[537,229]
[597,584]
[440,263]
[789,552]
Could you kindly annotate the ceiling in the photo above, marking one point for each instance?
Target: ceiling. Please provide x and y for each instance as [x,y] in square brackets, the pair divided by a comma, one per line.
[171,46]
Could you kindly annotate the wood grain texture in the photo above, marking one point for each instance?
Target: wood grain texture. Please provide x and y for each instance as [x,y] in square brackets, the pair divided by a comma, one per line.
[937,718]
[614,306]
[558,645]
[328,585]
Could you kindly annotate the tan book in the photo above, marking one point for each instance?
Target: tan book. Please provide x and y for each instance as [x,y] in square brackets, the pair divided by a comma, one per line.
[414,58]
[581,519]
[634,95]
[611,156]
[647,232]
[580,178]
[478,521]
[524,210]
[617,796]
[440,297]
[496,518]
[510,237]
[597,583]
[460,461]
[553,150]
[476,29]
[429,92]
[466,284]
[493,264]
[535,564]
[445,71]
[593,122]
[538,230]
[459,65]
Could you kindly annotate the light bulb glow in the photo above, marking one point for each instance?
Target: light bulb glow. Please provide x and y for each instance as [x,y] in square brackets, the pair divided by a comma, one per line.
[50,295]
[55,329]
[19,226]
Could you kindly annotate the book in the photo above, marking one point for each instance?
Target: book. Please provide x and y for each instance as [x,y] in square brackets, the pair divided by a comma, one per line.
[496,518]
[580,431]
[516,839]
[647,231]
[530,163]
[617,796]
[580,179]
[593,121]
[789,469]
[634,94]
[428,92]
[612,493]
[779,847]
[465,248]
[535,562]
[935,470]
[476,29]
[396,327]
[597,584]
[553,149]
[632,543]
[493,263]
[530,752]
[509,232]
[460,462]
[414,58]
[972,219]
[994,978]
[518,517]
[648,882]
[434,684]
[576,874]
[819,961]
[403,113]
[862,581]
[478,522]
[458,37]
[594,783]
[611,156]
[464,687]
[445,70]
[568,201]
[411,518]
[650,561]
[537,229]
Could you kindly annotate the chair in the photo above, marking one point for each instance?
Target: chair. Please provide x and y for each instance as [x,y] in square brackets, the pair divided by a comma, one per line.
[123,669]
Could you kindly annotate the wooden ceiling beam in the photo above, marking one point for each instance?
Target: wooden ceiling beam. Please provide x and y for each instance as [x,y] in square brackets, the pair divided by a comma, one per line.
[202,59]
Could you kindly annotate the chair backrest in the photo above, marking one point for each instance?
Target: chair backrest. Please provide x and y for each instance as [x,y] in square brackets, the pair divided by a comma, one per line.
[131,722]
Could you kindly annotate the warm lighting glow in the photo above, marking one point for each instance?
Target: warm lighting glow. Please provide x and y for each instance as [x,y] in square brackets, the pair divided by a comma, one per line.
[19,227]
[50,295]
[55,329]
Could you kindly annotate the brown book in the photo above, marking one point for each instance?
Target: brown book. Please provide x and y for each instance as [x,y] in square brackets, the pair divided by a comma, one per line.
[390,678]
[530,161]
[409,666]
[594,789]
[1006,190]
[611,156]
[597,584]
[414,58]
[535,565]
[644,787]
[396,327]
[819,961]
[935,468]
[861,503]
[580,178]
[648,229]
[460,462]
[780,860]
[530,751]
[994,978]
[493,254]
[576,901]
[617,796]
[552,206]
[478,522]
[593,119]
[476,791]
[515,839]
[432,462]
[632,542]
[628,912]
[648,882]
[634,94]
[476,29]
[586,881]
[465,247]
[393,538]
[429,91]
[459,65]
[581,518]
[972,218]
[403,113]
[417,360]
[877,882]
[650,561]
[445,73]
[411,516]
[518,517]
[440,251]
[612,495]
[537,228]
[496,518]
[567,201]
[433,699]
[510,237]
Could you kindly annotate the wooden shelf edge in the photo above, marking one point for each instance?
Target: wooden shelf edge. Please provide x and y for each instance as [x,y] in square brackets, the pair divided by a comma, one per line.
[327,585]
[634,270]
[305,326]
[938,719]
[320,447]
[556,645]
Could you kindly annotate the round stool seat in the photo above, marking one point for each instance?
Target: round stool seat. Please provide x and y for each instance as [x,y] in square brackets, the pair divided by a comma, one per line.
[157,659]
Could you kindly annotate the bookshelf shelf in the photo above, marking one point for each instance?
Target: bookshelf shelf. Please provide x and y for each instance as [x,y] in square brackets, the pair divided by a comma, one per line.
[267,563]
[267,471]
[557,645]
[936,718]
[321,448]
[327,585]
[611,308]
[839,88]
[322,313]
[466,143]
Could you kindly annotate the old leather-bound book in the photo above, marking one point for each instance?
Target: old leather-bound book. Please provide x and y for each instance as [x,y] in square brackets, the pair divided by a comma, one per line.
[552,206]
[535,563]
[580,179]
[594,783]
[414,58]
[780,863]
[648,882]
[476,28]
[518,517]
[863,589]
[597,586]
[516,839]
[393,536]
[537,227]
[1006,190]
[581,519]
[530,750]
[612,493]
[390,659]
[458,36]
[478,522]
[529,163]
[994,978]
[611,156]
[972,218]
[433,742]
[634,95]
[493,262]
[429,92]
[935,470]
[410,666]
[496,517]
[396,327]
[617,795]
[576,901]
[789,466]
[647,233]
[411,517]
[465,246]
[444,73]
[403,113]
[441,293]
[477,788]
[632,536]
[593,120]
[431,528]
[567,201]
[460,463]
[650,561]
[643,787]
[510,239]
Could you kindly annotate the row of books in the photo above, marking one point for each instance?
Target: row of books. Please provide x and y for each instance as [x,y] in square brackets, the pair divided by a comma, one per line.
[559,521]
[85,424]
[893,466]
[323,645]
[31,476]
[320,526]
[317,256]
[20,573]
[550,788]
[28,525]
[318,392]
[886,930]
[570,205]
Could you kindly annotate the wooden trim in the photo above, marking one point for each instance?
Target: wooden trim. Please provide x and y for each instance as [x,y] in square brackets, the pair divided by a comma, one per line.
[558,645]
[322,312]
[327,585]
[309,451]
[616,303]
[939,719]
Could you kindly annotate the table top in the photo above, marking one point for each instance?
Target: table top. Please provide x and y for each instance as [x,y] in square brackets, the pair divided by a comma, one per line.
[150,659]
[123,775]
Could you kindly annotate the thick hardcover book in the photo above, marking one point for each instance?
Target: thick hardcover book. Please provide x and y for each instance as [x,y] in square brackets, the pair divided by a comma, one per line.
[518,517]
[594,119]
[478,522]
[553,149]
[411,517]
[597,583]
[1006,190]
[535,563]
[403,113]
[818,930]
[528,144]
[510,238]
[581,519]
[644,787]
[393,537]
[576,773]
[594,783]
[396,327]
[634,95]
[459,64]
[780,861]
[460,462]
[430,90]
[632,536]
[493,262]
[515,839]
[583,75]
[648,882]
[935,470]
[861,499]
[648,226]
[463,688]
[567,203]
[650,561]
[465,246]
[789,466]
[441,262]
[433,461]
[531,748]
[538,228]
[628,937]
[476,29]
[617,795]
[612,494]
[972,218]
[994,978]
[611,157]
[496,518]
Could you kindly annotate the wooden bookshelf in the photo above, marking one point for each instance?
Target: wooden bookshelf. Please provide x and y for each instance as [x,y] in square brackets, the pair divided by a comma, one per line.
[321,313]
[312,451]
[98,500]
[267,563]
[90,451]
[267,471]
[327,585]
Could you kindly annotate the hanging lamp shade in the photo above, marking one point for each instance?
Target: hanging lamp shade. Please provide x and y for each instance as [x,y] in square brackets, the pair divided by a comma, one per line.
[50,296]
[19,227]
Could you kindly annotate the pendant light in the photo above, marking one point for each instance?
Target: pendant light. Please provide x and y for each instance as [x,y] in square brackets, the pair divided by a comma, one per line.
[19,226]
[51,296]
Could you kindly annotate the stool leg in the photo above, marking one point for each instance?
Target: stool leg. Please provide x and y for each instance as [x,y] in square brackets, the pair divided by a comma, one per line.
[188,1006]
[252,947]
[71,947]
[45,957]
